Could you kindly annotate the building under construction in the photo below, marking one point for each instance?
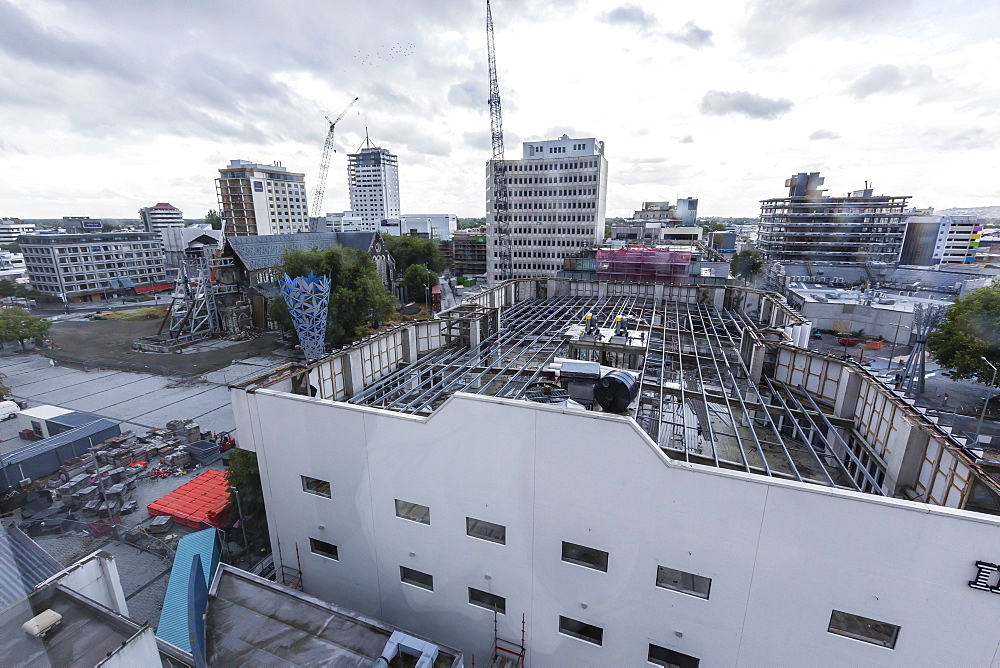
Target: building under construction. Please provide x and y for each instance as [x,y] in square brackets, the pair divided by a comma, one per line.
[612,462]
[808,226]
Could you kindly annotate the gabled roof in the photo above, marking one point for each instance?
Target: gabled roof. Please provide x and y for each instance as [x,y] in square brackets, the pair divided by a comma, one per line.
[23,564]
[266,250]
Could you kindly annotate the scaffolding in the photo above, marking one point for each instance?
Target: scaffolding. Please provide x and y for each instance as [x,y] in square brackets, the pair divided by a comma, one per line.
[639,264]
[193,314]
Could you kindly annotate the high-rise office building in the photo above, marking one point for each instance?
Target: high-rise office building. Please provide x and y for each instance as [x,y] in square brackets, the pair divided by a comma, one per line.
[557,194]
[809,226]
[935,239]
[261,199]
[373,179]
[159,216]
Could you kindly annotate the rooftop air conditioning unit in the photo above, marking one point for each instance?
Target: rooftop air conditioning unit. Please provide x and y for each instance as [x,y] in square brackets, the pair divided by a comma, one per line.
[25,482]
[43,624]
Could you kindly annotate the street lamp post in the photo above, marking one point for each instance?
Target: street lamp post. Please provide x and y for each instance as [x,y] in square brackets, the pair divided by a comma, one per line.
[243,524]
[986,401]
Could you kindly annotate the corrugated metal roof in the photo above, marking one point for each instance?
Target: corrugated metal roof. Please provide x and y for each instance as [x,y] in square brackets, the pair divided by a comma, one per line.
[74,419]
[265,251]
[173,626]
[70,436]
[23,564]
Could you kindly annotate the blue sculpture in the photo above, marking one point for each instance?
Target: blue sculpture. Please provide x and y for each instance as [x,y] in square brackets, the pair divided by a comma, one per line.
[308,301]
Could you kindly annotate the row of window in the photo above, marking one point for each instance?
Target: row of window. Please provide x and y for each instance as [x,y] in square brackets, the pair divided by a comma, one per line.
[561,192]
[550,218]
[531,166]
[525,180]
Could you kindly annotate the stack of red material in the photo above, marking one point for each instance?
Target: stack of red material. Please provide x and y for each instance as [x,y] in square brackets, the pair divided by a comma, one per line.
[197,503]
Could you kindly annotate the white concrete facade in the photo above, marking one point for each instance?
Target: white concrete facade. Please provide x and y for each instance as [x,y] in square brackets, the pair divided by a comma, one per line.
[782,556]
[373,183]
[347,221]
[12,228]
[436,226]
[160,216]
[261,199]
[557,197]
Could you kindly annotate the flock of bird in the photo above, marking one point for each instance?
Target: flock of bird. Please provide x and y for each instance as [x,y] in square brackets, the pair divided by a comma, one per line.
[382,55]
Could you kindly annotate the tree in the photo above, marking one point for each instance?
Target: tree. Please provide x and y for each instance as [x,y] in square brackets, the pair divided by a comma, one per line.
[24,292]
[16,324]
[746,263]
[409,250]
[213,219]
[415,279]
[970,331]
[244,475]
[12,248]
[7,288]
[357,296]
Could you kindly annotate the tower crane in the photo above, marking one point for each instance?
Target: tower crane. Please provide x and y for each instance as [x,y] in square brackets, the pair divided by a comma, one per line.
[324,164]
[502,243]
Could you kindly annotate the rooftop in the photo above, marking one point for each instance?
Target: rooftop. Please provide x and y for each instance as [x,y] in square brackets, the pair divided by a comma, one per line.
[23,564]
[266,250]
[891,300]
[251,621]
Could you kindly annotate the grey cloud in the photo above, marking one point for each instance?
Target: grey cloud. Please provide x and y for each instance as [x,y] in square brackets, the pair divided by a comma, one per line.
[630,15]
[478,140]
[10,147]
[686,139]
[773,25]
[691,35]
[963,140]
[890,79]
[472,94]
[824,134]
[24,39]
[722,103]
[385,94]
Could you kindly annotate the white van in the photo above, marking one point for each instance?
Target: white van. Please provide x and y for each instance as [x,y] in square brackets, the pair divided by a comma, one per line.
[8,409]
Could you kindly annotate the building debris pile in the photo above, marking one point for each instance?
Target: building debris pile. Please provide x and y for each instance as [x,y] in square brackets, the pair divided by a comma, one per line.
[92,492]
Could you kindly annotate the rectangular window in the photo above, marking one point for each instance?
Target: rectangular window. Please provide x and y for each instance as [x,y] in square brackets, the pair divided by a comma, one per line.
[581,630]
[864,629]
[688,583]
[484,599]
[416,578]
[585,556]
[413,512]
[324,549]
[496,533]
[315,486]
[661,656]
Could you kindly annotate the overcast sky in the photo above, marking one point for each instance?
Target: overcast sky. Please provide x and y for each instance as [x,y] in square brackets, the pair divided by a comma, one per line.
[109,106]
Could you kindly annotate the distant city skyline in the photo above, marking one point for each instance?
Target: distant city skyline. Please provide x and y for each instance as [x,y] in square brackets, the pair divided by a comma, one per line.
[719,100]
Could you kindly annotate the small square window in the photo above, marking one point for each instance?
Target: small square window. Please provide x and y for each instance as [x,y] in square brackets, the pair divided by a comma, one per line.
[687,583]
[585,556]
[413,512]
[484,530]
[661,656]
[324,549]
[484,599]
[315,486]
[581,630]
[863,628]
[416,578]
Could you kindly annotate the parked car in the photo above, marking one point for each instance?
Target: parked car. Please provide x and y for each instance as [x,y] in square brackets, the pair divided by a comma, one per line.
[8,409]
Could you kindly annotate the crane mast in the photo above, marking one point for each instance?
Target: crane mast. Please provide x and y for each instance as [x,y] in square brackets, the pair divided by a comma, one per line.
[324,163]
[503,245]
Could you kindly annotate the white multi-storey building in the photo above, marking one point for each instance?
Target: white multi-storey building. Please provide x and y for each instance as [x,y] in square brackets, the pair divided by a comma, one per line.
[373,179]
[436,226]
[935,239]
[346,221]
[748,502]
[160,216]
[557,197]
[261,199]
[12,228]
